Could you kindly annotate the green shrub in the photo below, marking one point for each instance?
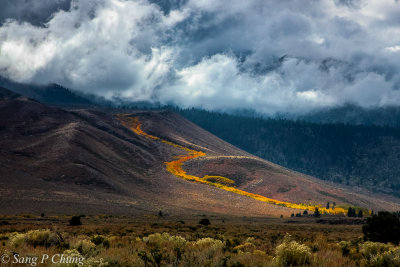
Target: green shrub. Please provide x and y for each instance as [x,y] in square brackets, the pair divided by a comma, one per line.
[204,221]
[91,262]
[164,240]
[205,252]
[36,238]
[370,249]
[345,247]
[101,240]
[165,250]
[84,246]
[245,247]
[384,227]
[291,253]
[380,254]
[75,221]
[208,246]
[17,240]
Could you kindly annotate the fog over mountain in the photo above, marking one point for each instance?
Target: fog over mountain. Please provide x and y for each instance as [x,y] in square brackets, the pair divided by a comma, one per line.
[288,56]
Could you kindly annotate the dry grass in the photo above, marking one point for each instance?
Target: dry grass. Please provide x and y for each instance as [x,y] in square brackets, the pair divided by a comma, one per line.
[172,241]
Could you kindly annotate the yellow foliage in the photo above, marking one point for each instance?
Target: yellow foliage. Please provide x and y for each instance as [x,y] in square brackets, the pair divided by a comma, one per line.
[379,254]
[175,167]
[246,247]
[219,179]
[17,239]
[135,125]
[291,253]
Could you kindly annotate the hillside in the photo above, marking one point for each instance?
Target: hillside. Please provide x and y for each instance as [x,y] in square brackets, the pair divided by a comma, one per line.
[355,115]
[52,94]
[361,156]
[86,161]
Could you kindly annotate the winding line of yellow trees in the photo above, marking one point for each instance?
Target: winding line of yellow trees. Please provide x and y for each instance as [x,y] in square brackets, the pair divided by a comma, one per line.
[175,167]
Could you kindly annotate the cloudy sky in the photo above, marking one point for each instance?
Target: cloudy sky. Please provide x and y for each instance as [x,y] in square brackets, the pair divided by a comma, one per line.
[272,56]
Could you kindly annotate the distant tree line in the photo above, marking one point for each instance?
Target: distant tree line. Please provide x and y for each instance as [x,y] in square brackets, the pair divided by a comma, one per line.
[383,227]
[347,154]
[351,212]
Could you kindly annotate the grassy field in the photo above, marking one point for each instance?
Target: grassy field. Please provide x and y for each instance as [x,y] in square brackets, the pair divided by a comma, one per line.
[152,240]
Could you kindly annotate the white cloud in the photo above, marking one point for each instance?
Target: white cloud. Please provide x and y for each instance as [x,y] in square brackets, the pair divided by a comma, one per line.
[215,54]
[100,47]
[217,83]
[395,48]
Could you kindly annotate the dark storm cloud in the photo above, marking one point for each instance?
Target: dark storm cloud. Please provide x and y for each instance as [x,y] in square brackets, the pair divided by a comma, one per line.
[33,11]
[273,56]
[169,5]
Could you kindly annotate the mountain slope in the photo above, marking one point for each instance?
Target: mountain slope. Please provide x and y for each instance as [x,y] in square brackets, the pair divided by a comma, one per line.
[362,156]
[53,94]
[250,173]
[86,161]
[355,115]
[46,149]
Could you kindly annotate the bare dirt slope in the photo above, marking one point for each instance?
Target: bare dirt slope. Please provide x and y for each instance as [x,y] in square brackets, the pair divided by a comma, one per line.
[253,174]
[85,161]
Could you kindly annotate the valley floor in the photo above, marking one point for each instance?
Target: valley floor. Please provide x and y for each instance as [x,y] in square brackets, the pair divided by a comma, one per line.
[166,240]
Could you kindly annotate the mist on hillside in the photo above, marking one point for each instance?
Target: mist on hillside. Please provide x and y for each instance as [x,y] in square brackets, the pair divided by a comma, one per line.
[274,57]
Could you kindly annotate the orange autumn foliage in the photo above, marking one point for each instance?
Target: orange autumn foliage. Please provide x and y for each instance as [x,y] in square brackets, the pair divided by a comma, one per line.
[135,125]
[175,167]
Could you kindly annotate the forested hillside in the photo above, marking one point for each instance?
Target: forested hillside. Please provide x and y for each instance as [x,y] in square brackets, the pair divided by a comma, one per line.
[366,156]
[351,114]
